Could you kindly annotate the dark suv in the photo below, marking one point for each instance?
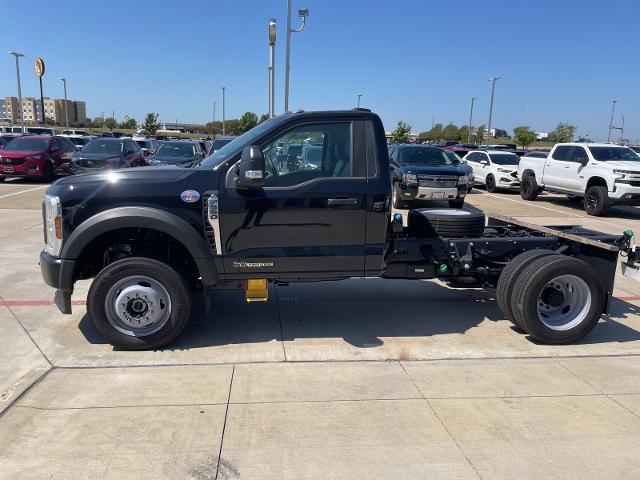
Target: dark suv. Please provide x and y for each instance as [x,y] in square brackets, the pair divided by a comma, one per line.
[107,153]
[38,156]
[425,172]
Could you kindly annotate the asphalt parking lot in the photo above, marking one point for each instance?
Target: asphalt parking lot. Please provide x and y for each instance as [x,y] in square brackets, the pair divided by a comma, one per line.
[363,378]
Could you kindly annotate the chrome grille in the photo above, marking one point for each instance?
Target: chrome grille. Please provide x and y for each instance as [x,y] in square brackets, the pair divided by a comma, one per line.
[437,180]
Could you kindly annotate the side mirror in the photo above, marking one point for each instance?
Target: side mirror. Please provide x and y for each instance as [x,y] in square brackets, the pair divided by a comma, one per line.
[583,161]
[251,170]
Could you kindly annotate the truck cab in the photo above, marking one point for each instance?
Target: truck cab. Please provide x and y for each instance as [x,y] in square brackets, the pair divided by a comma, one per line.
[597,174]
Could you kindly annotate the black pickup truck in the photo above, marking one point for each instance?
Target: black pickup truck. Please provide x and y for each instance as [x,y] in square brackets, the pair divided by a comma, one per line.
[249,215]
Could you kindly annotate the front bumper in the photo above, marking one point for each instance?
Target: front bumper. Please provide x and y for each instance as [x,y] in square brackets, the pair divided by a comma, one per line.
[432,193]
[625,193]
[26,169]
[58,273]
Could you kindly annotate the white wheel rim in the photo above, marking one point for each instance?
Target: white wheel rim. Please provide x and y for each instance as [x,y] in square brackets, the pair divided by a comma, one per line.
[564,302]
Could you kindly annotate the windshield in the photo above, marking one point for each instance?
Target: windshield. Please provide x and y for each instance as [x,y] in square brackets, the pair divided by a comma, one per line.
[79,141]
[230,148]
[103,146]
[27,144]
[175,149]
[614,153]
[423,156]
[453,156]
[505,158]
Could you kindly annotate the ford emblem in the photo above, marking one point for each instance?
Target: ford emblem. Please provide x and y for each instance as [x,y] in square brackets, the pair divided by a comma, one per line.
[190,196]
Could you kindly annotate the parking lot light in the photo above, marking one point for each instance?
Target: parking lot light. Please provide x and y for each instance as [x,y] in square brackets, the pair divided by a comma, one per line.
[473,99]
[223,111]
[66,113]
[493,88]
[17,56]
[302,14]
[272,58]
[359,97]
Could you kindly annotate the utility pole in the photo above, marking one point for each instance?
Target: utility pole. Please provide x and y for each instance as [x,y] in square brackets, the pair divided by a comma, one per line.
[17,56]
[473,99]
[66,113]
[613,111]
[214,110]
[302,14]
[273,26]
[526,113]
[493,88]
[223,112]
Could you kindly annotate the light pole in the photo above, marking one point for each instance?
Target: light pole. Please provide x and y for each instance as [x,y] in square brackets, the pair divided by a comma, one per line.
[493,88]
[473,99]
[223,111]
[526,113]
[302,14]
[273,27]
[359,97]
[613,111]
[18,55]
[66,113]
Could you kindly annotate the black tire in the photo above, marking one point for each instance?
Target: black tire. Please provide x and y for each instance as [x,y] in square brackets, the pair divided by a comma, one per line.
[48,173]
[596,200]
[1,179]
[490,184]
[457,203]
[550,274]
[504,289]
[575,198]
[395,197]
[529,188]
[175,286]
[447,223]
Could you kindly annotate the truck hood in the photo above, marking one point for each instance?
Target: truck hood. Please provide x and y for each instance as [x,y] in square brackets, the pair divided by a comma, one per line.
[630,165]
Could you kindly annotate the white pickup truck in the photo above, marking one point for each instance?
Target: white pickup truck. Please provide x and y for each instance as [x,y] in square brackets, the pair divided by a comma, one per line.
[599,174]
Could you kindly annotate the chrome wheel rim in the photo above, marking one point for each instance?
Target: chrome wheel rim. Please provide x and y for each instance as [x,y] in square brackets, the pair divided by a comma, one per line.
[564,302]
[138,306]
[395,196]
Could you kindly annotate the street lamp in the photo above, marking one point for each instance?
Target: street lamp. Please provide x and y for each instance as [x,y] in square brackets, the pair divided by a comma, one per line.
[493,88]
[17,56]
[473,99]
[223,111]
[613,111]
[526,113]
[302,14]
[66,113]
[273,27]
[359,96]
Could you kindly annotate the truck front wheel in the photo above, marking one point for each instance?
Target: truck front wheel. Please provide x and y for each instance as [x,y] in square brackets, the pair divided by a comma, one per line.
[396,199]
[596,200]
[529,188]
[139,303]
[558,299]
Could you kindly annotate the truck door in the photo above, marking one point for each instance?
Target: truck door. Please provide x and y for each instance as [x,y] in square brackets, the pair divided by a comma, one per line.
[577,160]
[556,168]
[309,218]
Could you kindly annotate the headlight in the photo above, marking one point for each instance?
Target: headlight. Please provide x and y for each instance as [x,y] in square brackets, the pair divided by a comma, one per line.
[52,216]
[463,180]
[504,170]
[34,157]
[410,179]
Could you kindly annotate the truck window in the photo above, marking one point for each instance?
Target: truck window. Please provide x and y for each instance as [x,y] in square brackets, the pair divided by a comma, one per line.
[561,152]
[308,152]
[578,155]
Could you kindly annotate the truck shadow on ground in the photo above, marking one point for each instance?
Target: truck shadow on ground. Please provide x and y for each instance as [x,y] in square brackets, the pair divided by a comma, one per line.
[362,312]
[628,212]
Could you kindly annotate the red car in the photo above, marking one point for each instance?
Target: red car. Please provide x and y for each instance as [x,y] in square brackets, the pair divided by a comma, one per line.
[40,156]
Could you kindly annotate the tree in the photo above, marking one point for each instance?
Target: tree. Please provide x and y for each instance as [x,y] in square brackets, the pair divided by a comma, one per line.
[232,127]
[463,133]
[432,135]
[401,133]
[150,123]
[480,133]
[524,136]
[263,118]
[129,123]
[451,132]
[563,133]
[110,123]
[247,121]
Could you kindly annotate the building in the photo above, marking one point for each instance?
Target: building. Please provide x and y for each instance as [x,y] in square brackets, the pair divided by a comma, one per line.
[32,110]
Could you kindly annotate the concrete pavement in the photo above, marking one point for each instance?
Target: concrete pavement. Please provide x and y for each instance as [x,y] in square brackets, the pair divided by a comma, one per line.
[363,378]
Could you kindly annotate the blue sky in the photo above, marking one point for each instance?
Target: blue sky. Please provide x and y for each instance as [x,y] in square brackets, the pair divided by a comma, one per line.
[411,60]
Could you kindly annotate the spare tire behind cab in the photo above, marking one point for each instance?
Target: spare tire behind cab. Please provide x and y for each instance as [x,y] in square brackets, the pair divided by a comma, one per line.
[442,222]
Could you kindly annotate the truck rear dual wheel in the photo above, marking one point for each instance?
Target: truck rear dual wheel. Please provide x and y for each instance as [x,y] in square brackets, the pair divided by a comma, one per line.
[557,299]
[139,303]
[506,281]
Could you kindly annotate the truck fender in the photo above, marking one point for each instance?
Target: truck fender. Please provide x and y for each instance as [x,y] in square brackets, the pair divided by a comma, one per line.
[143,217]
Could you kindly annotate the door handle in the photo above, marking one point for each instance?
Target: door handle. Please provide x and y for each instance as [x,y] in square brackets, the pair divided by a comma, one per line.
[342,201]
